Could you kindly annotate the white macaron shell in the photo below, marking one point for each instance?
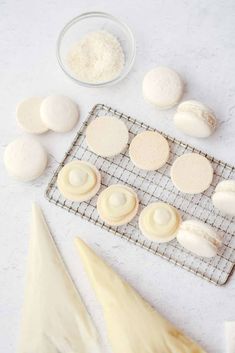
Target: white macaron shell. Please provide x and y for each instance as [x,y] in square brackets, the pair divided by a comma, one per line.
[225,202]
[199,238]
[195,119]
[162,87]
[198,245]
[226,185]
[190,124]
[191,173]
[224,197]
[25,159]
[107,136]
[59,113]
[29,117]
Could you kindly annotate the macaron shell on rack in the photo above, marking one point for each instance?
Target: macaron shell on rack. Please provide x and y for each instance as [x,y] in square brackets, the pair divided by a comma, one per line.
[79,181]
[107,136]
[224,197]
[149,150]
[192,173]
[199,238]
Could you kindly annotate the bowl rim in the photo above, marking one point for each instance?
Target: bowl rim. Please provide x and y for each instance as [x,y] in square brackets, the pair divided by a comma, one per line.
[85,15]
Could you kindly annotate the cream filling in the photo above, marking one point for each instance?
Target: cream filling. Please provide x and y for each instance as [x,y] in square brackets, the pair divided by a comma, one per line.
[117,202]
[161,220]
[77,178]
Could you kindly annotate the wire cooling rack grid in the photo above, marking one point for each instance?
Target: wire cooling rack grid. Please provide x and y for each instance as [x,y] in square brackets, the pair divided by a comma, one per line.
[150,187]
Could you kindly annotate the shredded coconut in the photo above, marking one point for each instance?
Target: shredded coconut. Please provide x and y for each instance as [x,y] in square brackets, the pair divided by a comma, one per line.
[97,57]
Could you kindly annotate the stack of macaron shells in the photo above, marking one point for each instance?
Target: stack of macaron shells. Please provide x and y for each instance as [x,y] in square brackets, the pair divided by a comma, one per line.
[37,115]
[25,158]
[163,87]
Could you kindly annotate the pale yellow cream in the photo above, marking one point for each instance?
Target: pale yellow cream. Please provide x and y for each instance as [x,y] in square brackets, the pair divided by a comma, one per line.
[77,180]
[117,203]
[159,221]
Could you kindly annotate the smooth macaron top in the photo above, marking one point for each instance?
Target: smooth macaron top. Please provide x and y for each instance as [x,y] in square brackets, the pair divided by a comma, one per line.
[149,150]
[107,136]
[162,87]
[191,173]
[59,113]
[25,158]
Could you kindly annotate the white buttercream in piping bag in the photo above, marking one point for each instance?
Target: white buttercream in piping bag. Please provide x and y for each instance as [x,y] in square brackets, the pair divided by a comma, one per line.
[55,319]
[133,326]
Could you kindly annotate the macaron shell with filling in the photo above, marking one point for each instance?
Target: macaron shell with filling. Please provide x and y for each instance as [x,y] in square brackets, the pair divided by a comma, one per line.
[171,228]
[83,197]
[126,219]
[199,238]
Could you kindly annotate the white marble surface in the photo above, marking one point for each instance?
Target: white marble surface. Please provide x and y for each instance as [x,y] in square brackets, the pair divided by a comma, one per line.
[196,37]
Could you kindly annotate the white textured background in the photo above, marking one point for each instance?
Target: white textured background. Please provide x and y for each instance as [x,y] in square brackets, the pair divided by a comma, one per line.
[196,37]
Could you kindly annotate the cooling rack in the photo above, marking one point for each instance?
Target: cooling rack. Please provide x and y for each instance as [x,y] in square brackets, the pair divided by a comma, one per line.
[150,187]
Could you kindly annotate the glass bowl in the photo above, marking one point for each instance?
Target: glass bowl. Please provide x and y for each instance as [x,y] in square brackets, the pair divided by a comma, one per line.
[89,22]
